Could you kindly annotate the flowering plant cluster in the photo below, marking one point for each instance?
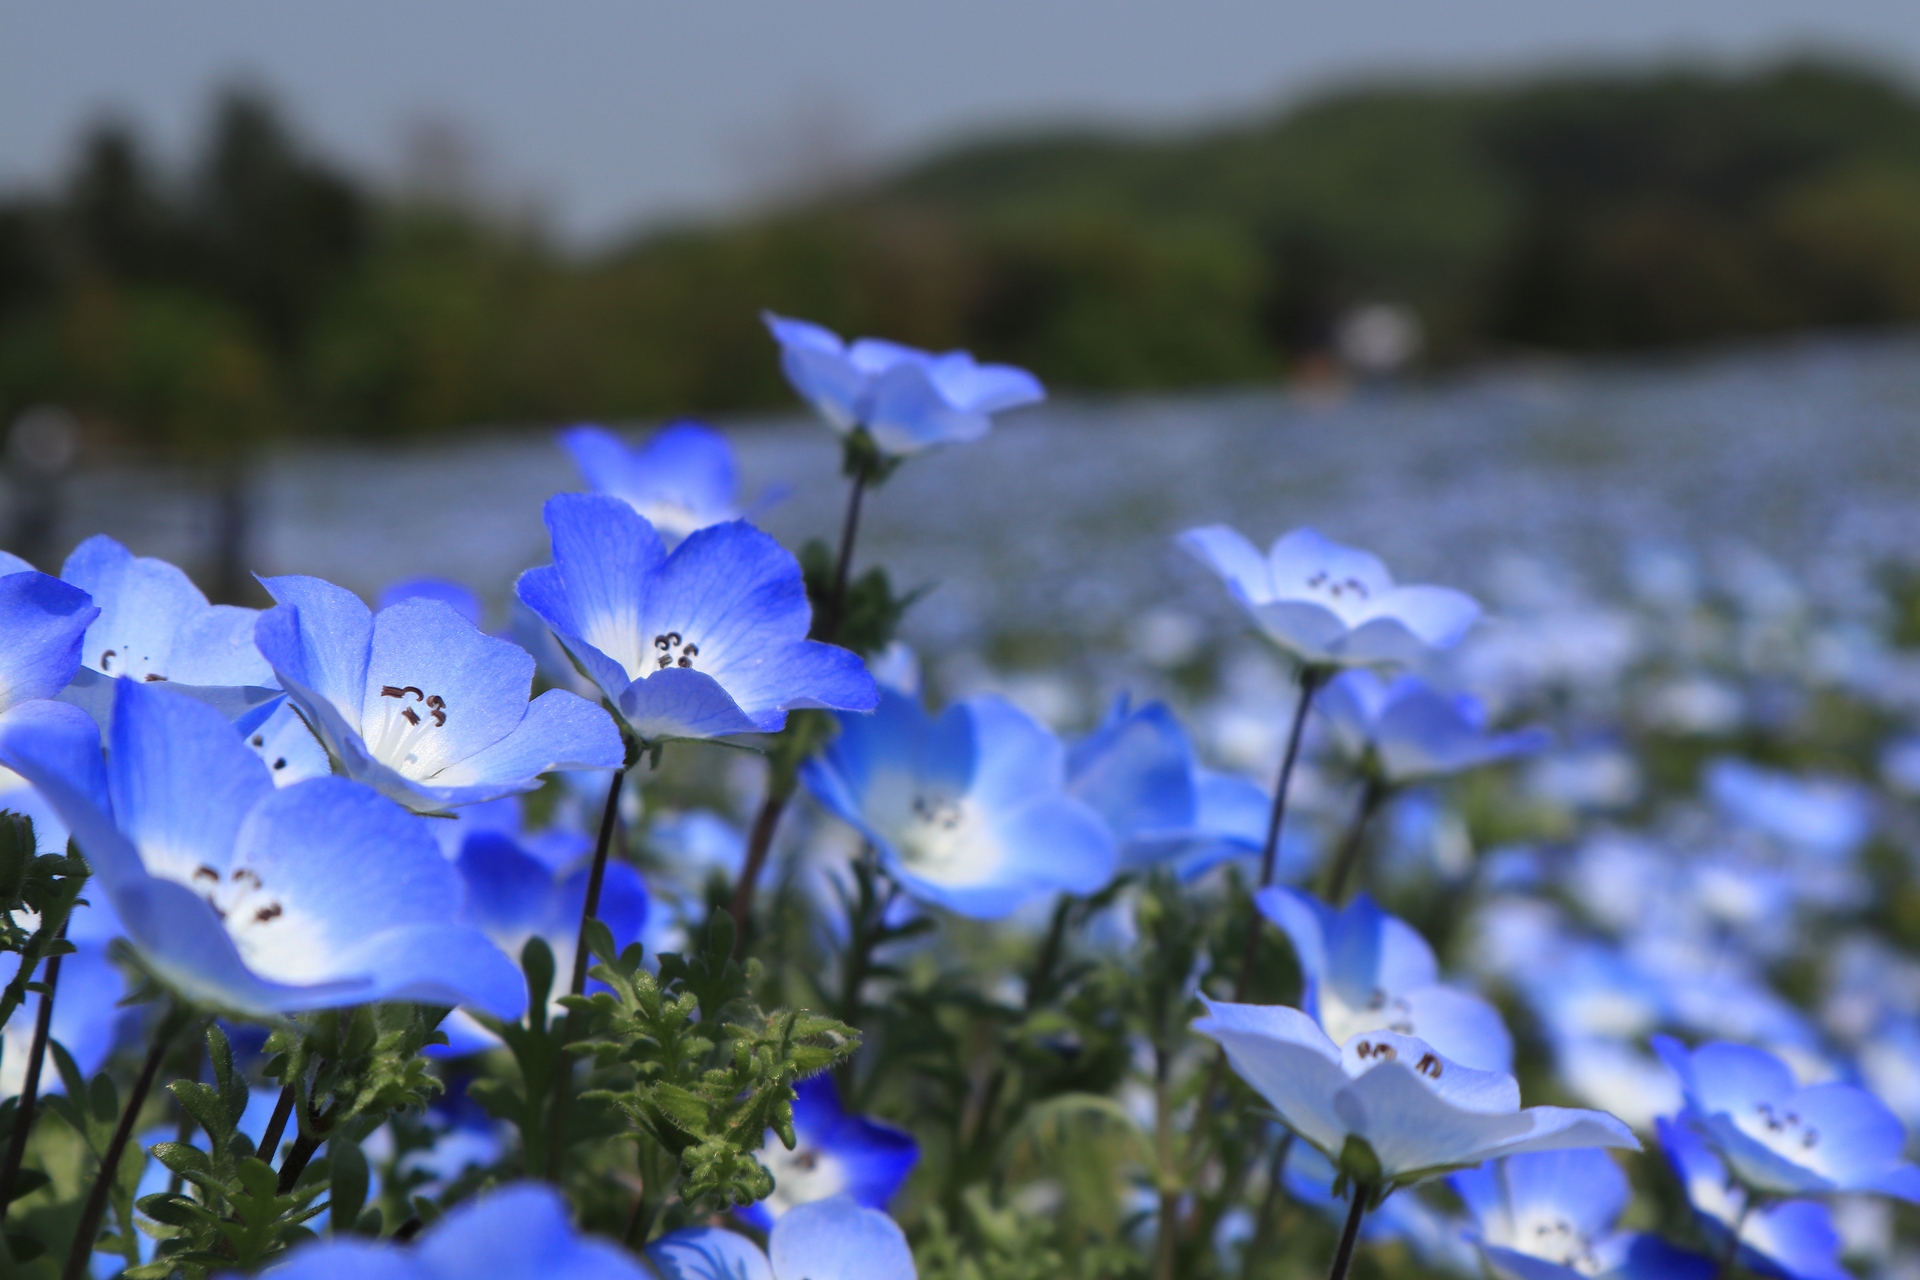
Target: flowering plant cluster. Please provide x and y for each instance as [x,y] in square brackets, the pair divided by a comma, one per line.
[678,931]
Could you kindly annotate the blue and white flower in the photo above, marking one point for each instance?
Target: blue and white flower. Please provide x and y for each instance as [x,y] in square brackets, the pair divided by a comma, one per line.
[245,897]
[1365,971]
[968,811]
[707,641]
[1783,1138]
[1785,1239]
[832,1239]
[1329,605]
[833,1154]
[420,704]
[155,625]
[1391,1110]
[906,400]
[1551,1215]
[517,1232]
[682,479]
[1406,729]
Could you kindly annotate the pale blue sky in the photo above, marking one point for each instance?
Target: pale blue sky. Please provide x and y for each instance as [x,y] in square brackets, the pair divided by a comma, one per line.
[610,112]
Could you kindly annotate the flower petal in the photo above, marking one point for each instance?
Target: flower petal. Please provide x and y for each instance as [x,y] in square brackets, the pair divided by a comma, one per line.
[1286,1056]
[320,638]
[836,1239]
[43,622]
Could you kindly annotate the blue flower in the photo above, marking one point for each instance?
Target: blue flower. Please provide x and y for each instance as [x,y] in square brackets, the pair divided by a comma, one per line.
[1789,1239]
[967,811]
[905,399]
[246,897]
[1551,1215]
[517,1232]
[1407,729]
[682,479]
[1825,817]
[1389,1109]
[155,625]
[87,1015]
[707,641]
[43,622]
[833,1239]
[1330,605]
[833,1154]
[1139,772]
[420,704]
[457,596]
[1782,1138]
[1365,970]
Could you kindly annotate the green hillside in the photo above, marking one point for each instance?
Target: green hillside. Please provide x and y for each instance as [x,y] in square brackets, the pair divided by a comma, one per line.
[263,293]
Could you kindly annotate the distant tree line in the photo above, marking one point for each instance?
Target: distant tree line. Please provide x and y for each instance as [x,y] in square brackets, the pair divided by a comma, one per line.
[262,292]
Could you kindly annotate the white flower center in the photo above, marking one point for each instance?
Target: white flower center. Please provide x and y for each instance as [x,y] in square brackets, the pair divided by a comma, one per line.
[1379,1012]
[800,1176]
[409,717]
[276,943]
[1781,1129]
[1547,1235]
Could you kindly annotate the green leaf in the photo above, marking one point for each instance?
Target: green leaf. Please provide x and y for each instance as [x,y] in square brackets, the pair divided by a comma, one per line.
[348,1181]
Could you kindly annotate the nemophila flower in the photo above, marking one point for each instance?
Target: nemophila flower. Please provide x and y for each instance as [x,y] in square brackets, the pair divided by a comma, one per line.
[87,1016]
[906,399]
[420,704]
[457,596]
[155,625]
[246,897]
[833,1154]
[517,1232]
[703,642]
[968,810]
[1329,605]
[1788,1239]
[1365,970]
[291,752]
[1138,770]
[1551,1215]
[43,623]
[1389,1109]
[1783,1138]
[683,478]
[1826,817]
[514,895]
[1406,729]
[832,1239]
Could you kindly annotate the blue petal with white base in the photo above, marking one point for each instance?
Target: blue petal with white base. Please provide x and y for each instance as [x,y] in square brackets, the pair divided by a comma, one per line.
[705,642]
[968,810]
[244,897]
[833,1154]
[420,704]
[1408,729]
[832,1239]
[682,479]
[1783,1138]
[1789,1240]
[1365,970]
[1330,605]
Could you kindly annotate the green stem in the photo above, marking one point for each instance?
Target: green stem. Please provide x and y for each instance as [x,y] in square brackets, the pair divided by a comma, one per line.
[589,910]
[1311,678]
[843,561]
[80,1255]
[1372,795]
[30,1088]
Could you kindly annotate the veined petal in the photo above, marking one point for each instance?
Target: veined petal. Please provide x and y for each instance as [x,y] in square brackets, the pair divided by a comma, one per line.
[708,1253]
[1283,1053]
[1417,1123]
[559,731]
[689,704]
[1462,1026]
[606,554]
[320,638]
[1557,1128]
[154,621]
[456,596]
[803,674]
[837,1239]
[425,650]
[56,747]
[733,593]
[541,594]
[42,624]
[439,964]
[518,1232]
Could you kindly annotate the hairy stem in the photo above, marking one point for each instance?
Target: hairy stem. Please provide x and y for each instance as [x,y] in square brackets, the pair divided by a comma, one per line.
[1372,796]
[577,985]
[80,1255]
[30,1088]
[1343,1256]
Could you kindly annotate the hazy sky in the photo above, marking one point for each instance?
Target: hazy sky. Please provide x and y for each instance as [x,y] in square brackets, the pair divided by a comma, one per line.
[608,112]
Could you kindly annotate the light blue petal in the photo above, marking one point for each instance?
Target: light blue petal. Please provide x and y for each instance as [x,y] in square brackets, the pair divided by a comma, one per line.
[440,964]
[1798,1238]
[11,563]
[708,1253]
[906,412]
[1511,1264]
[56,747]
[731,590]
[1309,631]
[607,556]
[804,674]
[1284,1055]
[564,656]
[181,779]
[1482,1190]
[42,624]
[456,596]
[1059,843]
[363,1260]
[1735,1078]
[604,461]
[836,1239]
[319,638]
[1382,640]
[1238,562]
[1137,772]
[1462,1026]
[1303,555]
[984,388]
[86,1018]
[1018,759]
[688,704]
[559,731]
[1307,922]
[817,366]
[1439,616]
[510,893]
[623,904]
[1856,1138]
[518,1232]
[1582,1187]
[154,621]
[483,681]
[688,465]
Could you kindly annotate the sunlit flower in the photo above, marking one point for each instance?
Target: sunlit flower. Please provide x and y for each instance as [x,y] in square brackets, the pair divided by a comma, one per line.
[683,478]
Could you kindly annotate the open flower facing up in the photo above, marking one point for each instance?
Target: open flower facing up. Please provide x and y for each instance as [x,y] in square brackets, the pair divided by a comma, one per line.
[683,478]
[1139,772]
[155,626]
[1782,1138]
[1550,1216]
[832,1239]
[1789,1239]
[518,1232]
[1329,605]
[43,624]
[905,399]
[1407,729]
[969,810]
[420,704]
[833,1154]
[246,897]
[703,642]
[1390,1110]
[1365,970]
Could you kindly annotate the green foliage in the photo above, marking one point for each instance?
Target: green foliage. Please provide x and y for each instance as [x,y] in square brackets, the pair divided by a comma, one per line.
[356,1065]
[43,885]
[706,1073]
[1004,1243]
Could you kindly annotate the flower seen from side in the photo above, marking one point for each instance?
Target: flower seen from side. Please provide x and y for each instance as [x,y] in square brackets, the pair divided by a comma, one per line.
[1406,729]
[1784,1239]
[682,479]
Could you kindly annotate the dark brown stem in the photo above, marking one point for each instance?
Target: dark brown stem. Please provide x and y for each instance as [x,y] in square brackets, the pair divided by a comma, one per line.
[1311,678]
[305,1144]
[276,1126]
[30,1089]
[843,562]
[1343,1256]
[1372,795]
[589,910]
[80,1256]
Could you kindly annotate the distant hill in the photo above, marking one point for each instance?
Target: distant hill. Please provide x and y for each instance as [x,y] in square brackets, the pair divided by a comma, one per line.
[262,292]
